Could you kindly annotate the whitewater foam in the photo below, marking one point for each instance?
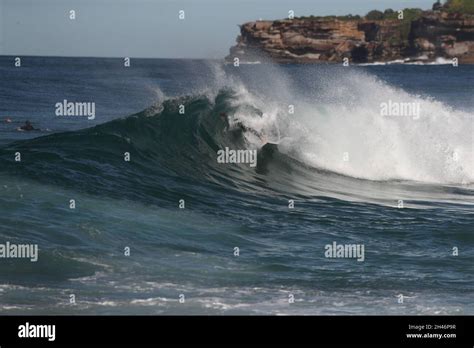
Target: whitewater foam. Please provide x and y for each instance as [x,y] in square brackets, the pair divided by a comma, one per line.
[340,128]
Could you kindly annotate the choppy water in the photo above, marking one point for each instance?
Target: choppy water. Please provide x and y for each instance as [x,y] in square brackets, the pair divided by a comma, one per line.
[346,167]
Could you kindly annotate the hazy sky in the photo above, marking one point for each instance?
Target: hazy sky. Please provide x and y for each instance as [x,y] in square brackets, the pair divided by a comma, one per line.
[151,28]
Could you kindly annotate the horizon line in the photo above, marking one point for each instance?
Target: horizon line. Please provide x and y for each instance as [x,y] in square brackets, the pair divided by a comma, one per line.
[105,57]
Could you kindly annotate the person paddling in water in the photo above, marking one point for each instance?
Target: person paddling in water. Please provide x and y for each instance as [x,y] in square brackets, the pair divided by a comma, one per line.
[27,127]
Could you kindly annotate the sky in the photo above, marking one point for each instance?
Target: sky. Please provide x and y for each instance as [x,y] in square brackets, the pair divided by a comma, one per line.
[152,28]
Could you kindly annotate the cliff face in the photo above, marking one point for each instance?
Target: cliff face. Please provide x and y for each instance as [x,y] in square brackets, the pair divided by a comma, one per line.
[434,34]
[444,35]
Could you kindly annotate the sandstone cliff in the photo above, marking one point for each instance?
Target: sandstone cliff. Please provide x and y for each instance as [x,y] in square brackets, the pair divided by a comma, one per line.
[308,40]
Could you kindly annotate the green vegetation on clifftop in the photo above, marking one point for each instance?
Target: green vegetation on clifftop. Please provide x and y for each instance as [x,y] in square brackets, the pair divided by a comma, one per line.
[460,6]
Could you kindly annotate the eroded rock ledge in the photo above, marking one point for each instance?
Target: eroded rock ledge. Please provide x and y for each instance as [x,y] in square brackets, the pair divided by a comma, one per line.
[312,40]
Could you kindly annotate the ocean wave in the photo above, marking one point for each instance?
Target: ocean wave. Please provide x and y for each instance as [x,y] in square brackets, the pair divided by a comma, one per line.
[335,132]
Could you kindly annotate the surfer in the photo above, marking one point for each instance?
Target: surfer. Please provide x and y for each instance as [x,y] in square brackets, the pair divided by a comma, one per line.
[27,127]
[240,127]
[244,129]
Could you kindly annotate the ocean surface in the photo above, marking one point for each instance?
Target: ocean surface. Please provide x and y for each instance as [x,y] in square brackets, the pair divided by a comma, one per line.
[401,186]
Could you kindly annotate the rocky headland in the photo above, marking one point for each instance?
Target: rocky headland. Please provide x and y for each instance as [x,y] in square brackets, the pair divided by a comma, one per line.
[419,36]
